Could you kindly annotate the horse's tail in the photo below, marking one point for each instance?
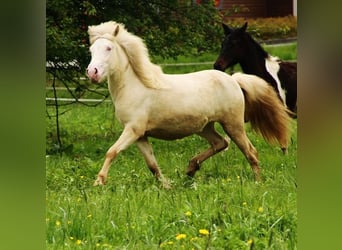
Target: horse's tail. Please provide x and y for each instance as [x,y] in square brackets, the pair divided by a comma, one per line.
[264,110]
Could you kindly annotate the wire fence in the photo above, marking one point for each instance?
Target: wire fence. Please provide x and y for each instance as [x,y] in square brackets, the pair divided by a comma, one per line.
[92,100]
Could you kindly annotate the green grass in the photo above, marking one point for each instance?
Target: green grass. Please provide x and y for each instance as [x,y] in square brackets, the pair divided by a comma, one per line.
[287,52]
[133,211]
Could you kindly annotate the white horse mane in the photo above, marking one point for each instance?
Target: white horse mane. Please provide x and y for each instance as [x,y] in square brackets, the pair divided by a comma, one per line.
[135,49]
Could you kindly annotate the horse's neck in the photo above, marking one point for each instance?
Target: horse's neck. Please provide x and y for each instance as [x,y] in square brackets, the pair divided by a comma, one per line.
[121,75]
[256,65]
[253,64]
[121,80]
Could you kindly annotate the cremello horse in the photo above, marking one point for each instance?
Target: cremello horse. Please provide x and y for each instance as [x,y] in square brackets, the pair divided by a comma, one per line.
[149,103]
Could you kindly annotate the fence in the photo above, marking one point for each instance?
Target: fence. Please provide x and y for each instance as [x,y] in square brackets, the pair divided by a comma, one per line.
[91,100]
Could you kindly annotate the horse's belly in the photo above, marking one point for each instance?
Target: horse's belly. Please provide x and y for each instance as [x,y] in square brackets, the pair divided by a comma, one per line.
[166,134]
[176,127]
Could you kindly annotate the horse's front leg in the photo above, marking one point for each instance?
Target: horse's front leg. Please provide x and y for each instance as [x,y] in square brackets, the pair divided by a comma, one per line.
[147,151]
[128,137]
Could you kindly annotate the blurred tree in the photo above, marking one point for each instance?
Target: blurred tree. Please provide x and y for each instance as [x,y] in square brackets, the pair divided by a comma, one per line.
[169,28]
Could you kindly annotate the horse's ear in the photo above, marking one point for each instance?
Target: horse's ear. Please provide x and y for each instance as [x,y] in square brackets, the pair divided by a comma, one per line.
[226,29]
[116,31]
[244,27]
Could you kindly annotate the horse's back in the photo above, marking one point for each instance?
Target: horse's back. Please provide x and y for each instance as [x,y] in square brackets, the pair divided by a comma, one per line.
[192,101]
[209,87]
[210,80]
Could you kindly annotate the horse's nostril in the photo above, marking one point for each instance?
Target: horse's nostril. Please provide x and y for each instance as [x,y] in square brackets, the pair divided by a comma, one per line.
[95,70]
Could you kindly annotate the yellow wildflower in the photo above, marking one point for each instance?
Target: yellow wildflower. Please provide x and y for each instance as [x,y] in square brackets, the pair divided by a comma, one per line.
[260,209]
[180,236]
[204,231]
[250,242]
[188,213]
[58,223]
[78,242]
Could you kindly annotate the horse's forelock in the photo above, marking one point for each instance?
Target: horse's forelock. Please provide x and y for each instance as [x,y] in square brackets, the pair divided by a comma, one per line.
[94,37]
[134,48]
[104,30]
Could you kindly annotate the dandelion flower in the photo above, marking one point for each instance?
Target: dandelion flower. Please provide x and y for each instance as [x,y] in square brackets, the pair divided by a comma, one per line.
[250,242]
[170,242]
[204,232]
[260,209]
[180,236]
[188,213]
[244,203]
[78,242]
[58,223]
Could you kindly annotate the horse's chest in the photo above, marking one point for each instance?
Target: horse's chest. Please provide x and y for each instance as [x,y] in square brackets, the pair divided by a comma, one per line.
[272,68]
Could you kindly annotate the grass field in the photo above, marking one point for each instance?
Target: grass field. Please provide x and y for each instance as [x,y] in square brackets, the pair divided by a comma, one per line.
[221,208]
[285,52]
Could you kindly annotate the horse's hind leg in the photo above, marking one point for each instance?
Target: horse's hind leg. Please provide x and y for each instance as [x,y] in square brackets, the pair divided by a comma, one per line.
[238,134]
[147,151]
[217,142]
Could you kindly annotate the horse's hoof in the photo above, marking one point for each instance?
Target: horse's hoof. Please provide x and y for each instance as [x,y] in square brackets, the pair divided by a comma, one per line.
[99,181]
[190,174]
[257,179]
[166,183]
[284,150]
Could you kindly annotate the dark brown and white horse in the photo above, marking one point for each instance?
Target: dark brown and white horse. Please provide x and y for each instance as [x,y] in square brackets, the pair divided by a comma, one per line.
[238,46]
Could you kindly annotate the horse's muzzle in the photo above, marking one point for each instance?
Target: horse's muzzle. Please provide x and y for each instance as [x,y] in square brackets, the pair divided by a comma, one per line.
[92,73]
[218,66]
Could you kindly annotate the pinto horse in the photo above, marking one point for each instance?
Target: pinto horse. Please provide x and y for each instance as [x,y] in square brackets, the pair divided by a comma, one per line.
[149,103]
[239,47]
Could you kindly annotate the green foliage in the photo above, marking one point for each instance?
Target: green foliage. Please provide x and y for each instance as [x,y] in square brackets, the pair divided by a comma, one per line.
[268,28]
[170,28]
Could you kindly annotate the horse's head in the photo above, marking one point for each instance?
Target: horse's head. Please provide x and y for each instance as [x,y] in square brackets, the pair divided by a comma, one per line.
[103,55]
[232,48]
